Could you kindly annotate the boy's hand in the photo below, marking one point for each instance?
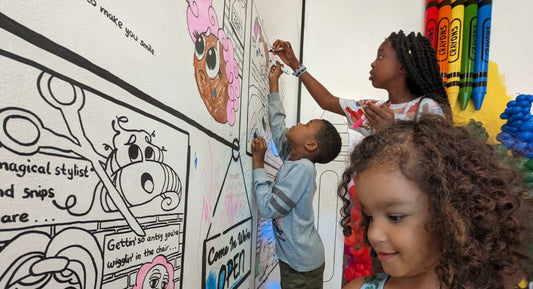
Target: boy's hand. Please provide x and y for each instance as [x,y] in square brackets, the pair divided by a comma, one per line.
[378,115]
[259,148]
[283,49]
[273,76]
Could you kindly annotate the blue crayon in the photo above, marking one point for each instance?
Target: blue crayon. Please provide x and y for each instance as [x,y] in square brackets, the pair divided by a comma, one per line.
[481,65]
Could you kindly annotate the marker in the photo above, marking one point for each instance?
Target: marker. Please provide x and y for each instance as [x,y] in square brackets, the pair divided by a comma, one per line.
[481,65]
[359,115]
[455,50]
[469,52]
[443,32]
[285,70]
[272,49]
[432,15]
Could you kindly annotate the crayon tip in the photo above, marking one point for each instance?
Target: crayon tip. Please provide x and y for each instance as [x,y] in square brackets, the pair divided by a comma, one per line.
[477,98]
[464,97]
[452,98]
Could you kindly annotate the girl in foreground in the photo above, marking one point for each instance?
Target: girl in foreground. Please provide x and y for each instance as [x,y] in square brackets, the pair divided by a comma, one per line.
[439,208]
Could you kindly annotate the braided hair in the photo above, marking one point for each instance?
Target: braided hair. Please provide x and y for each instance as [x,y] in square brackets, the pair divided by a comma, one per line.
[418,58]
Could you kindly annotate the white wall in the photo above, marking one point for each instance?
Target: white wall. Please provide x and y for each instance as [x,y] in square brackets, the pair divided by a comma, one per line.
[342,38]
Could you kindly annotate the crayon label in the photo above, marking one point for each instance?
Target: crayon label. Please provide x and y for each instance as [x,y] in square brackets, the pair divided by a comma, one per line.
[485,45]
[455,40]
[472,39]
[442,51]
[431,27]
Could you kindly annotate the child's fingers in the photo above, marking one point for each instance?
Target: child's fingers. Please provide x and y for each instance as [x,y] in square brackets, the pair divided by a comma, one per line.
[370,116]
[376,110]
[255,143]
[277,44]
[258,144]
[383,112]
[275,70]
[387,111]
[371,111]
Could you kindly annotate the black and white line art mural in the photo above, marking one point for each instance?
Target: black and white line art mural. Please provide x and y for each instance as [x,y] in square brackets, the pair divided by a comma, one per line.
[258,118]
[45,139]
[86,175]
[258,89]
[134,157]
[116,194]
[71,259]
[258,125]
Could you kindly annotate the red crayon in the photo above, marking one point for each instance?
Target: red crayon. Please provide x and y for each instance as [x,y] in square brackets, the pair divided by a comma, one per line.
[443,32]
[432,16]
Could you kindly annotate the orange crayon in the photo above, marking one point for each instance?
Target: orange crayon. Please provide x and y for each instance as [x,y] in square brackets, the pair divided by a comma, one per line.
[443,34]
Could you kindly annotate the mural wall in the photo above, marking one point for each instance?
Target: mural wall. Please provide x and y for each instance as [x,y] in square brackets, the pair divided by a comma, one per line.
[124,143]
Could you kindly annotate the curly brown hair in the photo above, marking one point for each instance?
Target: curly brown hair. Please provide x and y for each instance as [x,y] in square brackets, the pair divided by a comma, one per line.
[480,210]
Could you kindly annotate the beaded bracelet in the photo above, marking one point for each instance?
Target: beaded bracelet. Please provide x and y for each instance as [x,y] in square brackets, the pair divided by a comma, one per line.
[299,71]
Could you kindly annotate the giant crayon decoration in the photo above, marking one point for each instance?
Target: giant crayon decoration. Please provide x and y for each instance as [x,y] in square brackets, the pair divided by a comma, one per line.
[481,65]
[442,38]
[455,50]
[469,52]
[432,16]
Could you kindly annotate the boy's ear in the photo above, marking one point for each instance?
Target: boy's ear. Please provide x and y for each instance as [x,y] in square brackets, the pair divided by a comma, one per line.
[311,146]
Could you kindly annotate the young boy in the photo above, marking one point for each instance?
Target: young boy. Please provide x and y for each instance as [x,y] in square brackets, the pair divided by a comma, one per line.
[289,199]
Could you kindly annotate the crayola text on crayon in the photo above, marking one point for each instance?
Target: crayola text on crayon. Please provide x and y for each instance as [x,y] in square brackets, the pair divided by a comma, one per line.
[455,42]
[443,38]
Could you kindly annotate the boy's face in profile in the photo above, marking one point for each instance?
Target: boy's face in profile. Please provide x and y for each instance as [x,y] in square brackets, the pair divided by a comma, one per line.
[301,134]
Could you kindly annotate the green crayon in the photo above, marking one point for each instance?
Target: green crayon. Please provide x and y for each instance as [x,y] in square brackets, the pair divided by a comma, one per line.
[469,52]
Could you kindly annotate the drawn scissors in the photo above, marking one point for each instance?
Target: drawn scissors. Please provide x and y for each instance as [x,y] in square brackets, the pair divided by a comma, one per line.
[45,140]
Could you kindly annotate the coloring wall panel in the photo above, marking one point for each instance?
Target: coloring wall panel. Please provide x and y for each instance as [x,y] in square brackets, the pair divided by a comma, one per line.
[124,144]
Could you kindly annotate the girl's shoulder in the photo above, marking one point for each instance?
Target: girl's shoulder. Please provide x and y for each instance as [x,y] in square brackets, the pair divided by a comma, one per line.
[430,106]
[376,281]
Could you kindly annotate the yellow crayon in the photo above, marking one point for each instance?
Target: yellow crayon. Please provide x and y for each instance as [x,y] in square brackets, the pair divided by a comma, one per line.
[455,42]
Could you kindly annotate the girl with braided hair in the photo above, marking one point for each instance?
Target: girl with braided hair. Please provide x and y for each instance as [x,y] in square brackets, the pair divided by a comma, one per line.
[439,208]
[405,66]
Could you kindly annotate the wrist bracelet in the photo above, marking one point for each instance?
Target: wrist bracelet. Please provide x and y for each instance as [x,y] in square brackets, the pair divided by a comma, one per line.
[299,71]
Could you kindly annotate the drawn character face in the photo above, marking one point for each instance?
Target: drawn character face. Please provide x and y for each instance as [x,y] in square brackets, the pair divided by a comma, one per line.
[210,73]
[386,70]
[158,274]
[156,278]
[138,172]
[397,211]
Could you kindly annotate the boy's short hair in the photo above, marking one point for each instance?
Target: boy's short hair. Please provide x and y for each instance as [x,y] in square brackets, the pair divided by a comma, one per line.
[329,143]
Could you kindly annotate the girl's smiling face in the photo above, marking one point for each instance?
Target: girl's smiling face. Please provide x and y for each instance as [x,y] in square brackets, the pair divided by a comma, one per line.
[397,211]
